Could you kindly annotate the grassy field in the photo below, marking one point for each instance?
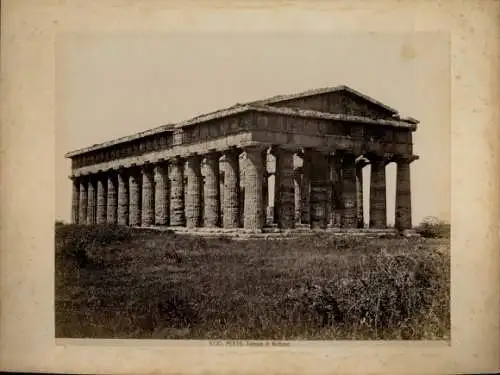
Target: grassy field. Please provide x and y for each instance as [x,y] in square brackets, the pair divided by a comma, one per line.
[117,282]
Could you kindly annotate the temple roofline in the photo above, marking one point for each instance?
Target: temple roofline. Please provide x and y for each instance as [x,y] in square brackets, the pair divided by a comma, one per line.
[264,106]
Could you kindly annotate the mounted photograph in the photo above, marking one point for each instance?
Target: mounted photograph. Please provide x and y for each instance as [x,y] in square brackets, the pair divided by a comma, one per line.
[259,186]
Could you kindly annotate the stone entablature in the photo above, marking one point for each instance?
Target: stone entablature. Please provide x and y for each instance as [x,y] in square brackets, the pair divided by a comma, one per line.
[191,173]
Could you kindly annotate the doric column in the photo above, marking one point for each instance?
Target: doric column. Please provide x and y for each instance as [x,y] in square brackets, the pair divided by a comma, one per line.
[285,188]
[112,200]
[148,195]
[123,198]
[134,185]
[161,194]
[102,185]
[82,205]
[231,199]
[75,200]
[176,179]
[306,187]
[254,174]
[193,191]
[92,196]
[297,181]
[319,189]
[403,193]
[211,194]
[378,208]
[349,217]
[337,186]
[360,164]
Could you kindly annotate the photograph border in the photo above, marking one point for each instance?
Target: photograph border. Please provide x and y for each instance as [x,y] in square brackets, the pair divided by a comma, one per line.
[27,166]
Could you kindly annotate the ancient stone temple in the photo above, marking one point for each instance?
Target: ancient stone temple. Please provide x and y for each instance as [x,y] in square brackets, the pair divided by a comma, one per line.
[217,170]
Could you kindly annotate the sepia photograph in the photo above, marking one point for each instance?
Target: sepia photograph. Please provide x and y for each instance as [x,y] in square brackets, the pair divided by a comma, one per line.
[264,186]
[229,187]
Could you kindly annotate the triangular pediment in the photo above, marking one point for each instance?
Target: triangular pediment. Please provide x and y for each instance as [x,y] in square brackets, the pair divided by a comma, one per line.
[338,100]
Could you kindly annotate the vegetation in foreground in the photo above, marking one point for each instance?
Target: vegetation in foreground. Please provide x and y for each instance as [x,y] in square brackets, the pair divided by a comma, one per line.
[119,282]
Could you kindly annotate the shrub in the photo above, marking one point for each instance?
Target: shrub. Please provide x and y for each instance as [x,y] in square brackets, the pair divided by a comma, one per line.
[432,227]
[382,290]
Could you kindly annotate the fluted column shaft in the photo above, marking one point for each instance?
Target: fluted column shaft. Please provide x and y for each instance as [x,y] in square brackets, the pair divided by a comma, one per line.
[92,196]
[148,209]
[349,217]
[75,200]
[403,195]
[378,208]
[112,200]
[297,181]
[211,192]
[176,179]
[193,191]
[319,189]
[306,187]
[134,184]
[123,199]
[337,186]
[254,174]
[359,195]
[285,191]
[102,184]
[82,204]
[161,194]
[231,199]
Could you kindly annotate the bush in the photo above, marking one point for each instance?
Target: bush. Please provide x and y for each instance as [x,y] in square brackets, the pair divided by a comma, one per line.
[382,290]
[432,227]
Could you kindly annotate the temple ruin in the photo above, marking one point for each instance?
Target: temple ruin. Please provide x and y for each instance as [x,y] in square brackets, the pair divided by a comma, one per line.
[217,170]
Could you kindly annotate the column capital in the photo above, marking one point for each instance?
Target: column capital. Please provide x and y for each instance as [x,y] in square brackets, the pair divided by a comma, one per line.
[254,148]
[213,152]
[275,149]
[147,169]
[362,161]
[405,158]
[231,151]
[177,159]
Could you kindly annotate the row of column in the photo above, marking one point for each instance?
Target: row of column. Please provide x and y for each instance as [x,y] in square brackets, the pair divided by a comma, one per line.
[328,192]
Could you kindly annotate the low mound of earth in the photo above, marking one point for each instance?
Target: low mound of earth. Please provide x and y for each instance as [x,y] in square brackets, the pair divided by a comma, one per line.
[119,282]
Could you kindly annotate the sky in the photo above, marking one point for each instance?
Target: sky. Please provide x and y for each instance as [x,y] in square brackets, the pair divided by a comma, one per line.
[111,85]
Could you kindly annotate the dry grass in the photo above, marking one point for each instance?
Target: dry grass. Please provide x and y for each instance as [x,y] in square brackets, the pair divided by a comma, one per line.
[125,283]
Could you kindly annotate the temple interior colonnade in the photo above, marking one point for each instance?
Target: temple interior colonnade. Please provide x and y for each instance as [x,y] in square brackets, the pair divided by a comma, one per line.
[231,189]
